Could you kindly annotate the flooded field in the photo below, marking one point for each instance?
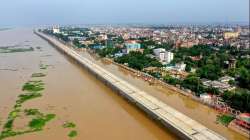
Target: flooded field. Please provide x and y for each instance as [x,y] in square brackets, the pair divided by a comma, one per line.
[70,93]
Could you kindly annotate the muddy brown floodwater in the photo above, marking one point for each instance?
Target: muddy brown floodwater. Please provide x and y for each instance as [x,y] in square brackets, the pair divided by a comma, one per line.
[71,93]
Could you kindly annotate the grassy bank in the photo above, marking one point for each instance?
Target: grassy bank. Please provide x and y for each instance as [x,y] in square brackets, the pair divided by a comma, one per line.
[225,119]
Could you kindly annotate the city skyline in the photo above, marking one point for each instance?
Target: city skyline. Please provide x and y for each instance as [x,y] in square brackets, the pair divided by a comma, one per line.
[30,13]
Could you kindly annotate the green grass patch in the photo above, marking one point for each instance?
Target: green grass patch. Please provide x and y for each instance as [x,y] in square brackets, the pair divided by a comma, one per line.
[38,75]
[14,50]
[7,133]
[9,124]
[11,133]
[49,117]
[33,112]
[39,123]
[33,86]
[11,118]
[38,120]
[43,67]
[225,119]
[69,125]
[14,113]
[72,134]
[27,96]
[17,105]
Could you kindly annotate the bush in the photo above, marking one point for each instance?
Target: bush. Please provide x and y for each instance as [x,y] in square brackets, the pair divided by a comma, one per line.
[225,119]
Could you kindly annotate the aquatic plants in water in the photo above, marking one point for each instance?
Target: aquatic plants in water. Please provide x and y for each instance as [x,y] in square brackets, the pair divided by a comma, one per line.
[43,67]
[33,86]
[27,96]
[14,50]
[38,75]
[69,125]
[41,120]
[72,134]
[38,120]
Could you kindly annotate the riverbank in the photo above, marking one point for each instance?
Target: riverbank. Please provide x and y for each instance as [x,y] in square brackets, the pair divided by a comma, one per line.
[149,79]
[180,124]
[202,113]
[152,81]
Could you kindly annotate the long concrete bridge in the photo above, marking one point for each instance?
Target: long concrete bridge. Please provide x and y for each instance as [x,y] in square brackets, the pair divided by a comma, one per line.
[173,120]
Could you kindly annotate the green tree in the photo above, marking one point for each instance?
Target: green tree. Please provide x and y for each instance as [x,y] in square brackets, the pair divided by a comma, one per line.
[193,83]
[240,99]
[210,71]
[188,68]
[244,79]
[76,42]
[213,90]
[138,61]
[171,80]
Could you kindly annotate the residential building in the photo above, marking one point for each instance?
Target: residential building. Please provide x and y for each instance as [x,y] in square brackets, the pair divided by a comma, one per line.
[164,56]
[158,51]
[180,66]
[169,56]
[56,30]
[188,43]
[228,35]
[131,46]
[102,37]
[218,85]
[226,79]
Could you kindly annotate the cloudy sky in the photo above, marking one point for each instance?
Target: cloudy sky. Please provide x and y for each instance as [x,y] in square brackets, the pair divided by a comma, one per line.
[41,12]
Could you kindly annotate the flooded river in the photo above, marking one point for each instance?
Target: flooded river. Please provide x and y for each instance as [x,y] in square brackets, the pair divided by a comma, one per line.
[71,93]
[74,95]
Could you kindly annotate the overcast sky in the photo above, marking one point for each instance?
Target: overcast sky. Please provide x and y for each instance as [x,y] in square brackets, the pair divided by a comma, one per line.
[40,12]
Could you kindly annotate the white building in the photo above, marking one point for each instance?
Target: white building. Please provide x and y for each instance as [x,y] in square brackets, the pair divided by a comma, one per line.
[169,56]
[56,30]
[158,51]
[207,98]
[161,56]
[164,56]
[180,66]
